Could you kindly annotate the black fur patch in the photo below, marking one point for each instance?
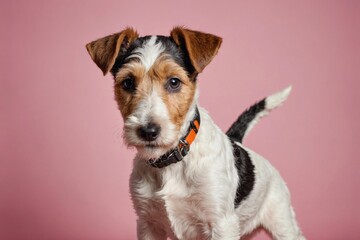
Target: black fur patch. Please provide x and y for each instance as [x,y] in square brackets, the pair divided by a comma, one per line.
[124,53]
[170,48]
[239,127]
[246,173]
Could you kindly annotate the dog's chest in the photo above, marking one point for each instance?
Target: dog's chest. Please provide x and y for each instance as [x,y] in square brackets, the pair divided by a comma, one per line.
[172,200]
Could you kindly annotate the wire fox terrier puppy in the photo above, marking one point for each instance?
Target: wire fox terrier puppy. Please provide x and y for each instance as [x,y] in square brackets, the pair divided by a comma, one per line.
[190,180]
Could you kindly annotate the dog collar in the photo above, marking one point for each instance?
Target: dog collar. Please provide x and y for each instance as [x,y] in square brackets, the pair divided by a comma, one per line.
[178,153]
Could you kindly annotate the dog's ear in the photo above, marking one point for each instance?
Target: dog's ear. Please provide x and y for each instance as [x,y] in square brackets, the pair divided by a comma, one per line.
[105,50]
[201,47]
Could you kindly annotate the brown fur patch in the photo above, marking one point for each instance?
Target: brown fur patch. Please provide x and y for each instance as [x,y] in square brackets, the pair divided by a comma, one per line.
[201,47]
[105,50]
[127,102]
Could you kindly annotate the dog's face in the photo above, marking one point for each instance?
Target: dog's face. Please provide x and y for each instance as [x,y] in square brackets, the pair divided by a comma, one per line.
[155,81]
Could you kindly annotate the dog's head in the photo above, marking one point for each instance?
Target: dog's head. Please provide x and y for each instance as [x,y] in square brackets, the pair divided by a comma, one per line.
[155,82]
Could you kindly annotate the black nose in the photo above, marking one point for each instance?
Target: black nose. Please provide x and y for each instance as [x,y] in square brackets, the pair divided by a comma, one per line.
[149,132]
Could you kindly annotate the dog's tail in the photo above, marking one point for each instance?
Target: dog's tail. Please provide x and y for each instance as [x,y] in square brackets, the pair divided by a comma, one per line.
[249,118]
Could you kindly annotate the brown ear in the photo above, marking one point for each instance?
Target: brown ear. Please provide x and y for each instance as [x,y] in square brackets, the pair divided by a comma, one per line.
[201,47]
[105,50]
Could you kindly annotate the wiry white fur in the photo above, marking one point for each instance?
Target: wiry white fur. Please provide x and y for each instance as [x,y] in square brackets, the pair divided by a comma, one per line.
[194,198]
[271,102]
[148,53]
[277,99]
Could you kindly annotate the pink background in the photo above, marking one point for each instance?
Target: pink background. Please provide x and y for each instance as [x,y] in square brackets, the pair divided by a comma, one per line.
[63,167]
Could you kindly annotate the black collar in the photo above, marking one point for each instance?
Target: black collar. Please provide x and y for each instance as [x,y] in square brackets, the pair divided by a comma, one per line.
[181,150]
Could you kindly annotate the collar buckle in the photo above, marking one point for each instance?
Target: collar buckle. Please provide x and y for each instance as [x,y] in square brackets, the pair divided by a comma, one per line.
[177,155]
[184,147]
[174,156]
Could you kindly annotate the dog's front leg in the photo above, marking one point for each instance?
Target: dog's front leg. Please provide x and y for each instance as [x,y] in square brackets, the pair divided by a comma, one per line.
[148,231]
[226,228]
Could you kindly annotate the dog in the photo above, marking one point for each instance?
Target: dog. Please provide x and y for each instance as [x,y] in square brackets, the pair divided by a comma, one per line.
[189,180]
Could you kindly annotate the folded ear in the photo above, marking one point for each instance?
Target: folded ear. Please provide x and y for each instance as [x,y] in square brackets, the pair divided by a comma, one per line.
[201,47]
[105,50]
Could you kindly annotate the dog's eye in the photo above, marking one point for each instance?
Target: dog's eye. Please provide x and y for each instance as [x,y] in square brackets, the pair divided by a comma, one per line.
[173,85]
[128,84]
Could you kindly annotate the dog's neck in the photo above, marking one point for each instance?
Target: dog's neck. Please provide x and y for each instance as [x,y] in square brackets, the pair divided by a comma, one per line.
[183,147]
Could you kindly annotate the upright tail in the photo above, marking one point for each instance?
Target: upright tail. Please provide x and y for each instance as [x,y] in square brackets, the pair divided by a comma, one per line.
[249,118]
